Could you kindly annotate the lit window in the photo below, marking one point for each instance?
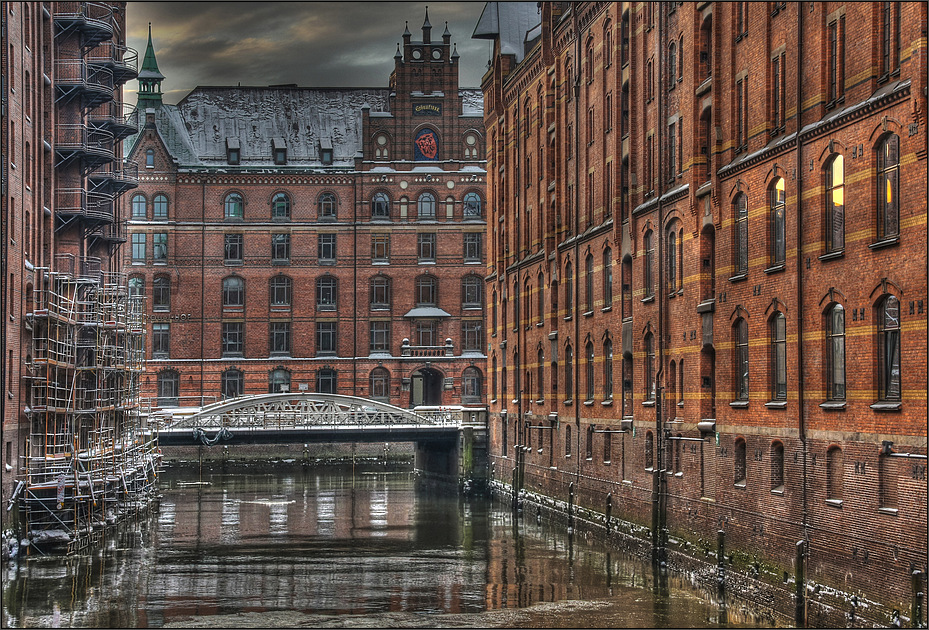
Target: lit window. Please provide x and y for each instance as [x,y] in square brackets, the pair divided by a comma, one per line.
[778,223]
[888,167]
[835,204]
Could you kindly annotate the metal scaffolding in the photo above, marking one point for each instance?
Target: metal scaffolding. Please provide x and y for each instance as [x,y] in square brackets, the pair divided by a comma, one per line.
[91,459]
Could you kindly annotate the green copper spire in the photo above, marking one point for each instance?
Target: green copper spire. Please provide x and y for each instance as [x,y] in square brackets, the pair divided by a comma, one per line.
[149,77]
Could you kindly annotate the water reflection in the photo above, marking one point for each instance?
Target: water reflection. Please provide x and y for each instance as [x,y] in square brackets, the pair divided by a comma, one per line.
[308,546]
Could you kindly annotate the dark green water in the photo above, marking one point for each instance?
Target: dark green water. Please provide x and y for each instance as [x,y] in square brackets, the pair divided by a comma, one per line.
[332,548]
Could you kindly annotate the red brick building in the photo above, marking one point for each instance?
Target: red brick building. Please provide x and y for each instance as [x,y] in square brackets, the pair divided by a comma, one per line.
[707,283]
[70,334]
[314,239]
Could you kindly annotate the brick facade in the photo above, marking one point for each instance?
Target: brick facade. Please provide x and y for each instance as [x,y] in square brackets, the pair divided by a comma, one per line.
[661,175]
[311,309]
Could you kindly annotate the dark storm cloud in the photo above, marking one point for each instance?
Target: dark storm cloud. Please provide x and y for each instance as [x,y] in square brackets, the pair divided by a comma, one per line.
[312,44]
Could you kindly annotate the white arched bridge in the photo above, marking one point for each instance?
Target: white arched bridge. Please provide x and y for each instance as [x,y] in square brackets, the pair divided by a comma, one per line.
[449,440]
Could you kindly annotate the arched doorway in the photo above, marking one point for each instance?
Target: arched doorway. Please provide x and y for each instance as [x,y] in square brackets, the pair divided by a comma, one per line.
[426,387]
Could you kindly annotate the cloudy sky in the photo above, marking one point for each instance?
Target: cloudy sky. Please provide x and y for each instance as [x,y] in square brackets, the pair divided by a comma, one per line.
[312,44]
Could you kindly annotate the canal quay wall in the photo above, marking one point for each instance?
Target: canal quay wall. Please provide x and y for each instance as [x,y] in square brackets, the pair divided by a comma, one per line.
[313,454]
[733,577]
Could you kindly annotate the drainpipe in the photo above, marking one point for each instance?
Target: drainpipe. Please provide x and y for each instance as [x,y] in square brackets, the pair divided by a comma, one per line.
[577,229]
[801,608]
[661,490]
[202,277]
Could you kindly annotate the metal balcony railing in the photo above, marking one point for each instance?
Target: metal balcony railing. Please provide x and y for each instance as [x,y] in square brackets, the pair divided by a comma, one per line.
[122,61]
[115,116]
[93,20]
[115,177]
[95,146]
[93,83]
[93,206]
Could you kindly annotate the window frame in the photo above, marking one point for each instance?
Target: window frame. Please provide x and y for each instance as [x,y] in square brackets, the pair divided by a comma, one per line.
[280,292]
[233,249]
[327,206]
[234,206]
[836,391]
[835,212]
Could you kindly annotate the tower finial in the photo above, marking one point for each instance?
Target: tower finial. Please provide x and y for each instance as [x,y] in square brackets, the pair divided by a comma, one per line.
[149,77]
[427,29]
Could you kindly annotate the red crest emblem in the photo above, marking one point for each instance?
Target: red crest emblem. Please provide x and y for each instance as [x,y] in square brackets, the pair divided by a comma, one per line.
[427,145]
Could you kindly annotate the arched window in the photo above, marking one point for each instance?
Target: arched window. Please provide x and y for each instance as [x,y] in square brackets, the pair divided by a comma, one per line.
[150,158]
[672,260]
[425,206]
[139,208]
[589,283]
[232,383]
[168,387]
[160,207]
[540,376]
[777,466]
[672,65]
[379,384]
[234,206]
[778,220]
[426,291]
[649,450]
[569,289]
[380,206]
[648,267]
[233,292]
[280,206]
[472,292]
[326,381]
[161,293]
[471,385]
[136,286]
[626,281]
[649,375]
[835,353]
[380,293]
[740,329]
[835,474]
[540,298]
[740,237]
[326,293]
[680,66]
[739,472]
[327,206]
[279,381]
[888,173]
[280,289]
[568,373]
[608,369]
[778,357]
[589,350]
[835,204]
[888,349]
[607,278]
[472,206]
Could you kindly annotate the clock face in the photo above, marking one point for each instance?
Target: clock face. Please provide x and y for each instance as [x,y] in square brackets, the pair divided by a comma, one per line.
[437,54]
[417,53]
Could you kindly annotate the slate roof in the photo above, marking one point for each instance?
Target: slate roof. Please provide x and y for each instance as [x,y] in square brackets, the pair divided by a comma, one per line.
[195,131]
[510,22]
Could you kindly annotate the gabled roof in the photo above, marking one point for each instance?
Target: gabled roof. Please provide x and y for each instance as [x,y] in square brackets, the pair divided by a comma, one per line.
[509,22]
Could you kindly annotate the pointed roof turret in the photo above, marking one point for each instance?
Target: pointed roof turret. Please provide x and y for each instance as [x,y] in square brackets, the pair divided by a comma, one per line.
[149,76]
[427,29]
[398,55]
[447,35]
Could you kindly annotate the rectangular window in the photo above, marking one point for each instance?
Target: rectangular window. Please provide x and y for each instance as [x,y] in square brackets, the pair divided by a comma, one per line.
[426,247]
[160,247]
[778,93]
[836,60]
[233,339]
[425,333]
[280,248]
[380,248]
[232,249]
[280,338]
[380,336]
[325,338]
[649,151]
[672,160]
[326,248]
[890,38]
[472,246]
[741,96]
[472,335]
[138,249]
[161,340]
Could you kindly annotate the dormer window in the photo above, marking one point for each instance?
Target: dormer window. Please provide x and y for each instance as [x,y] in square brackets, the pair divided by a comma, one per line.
[325,150]
[280,150]
[233,151]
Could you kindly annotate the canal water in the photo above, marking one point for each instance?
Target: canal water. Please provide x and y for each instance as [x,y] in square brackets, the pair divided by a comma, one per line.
[337,547]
